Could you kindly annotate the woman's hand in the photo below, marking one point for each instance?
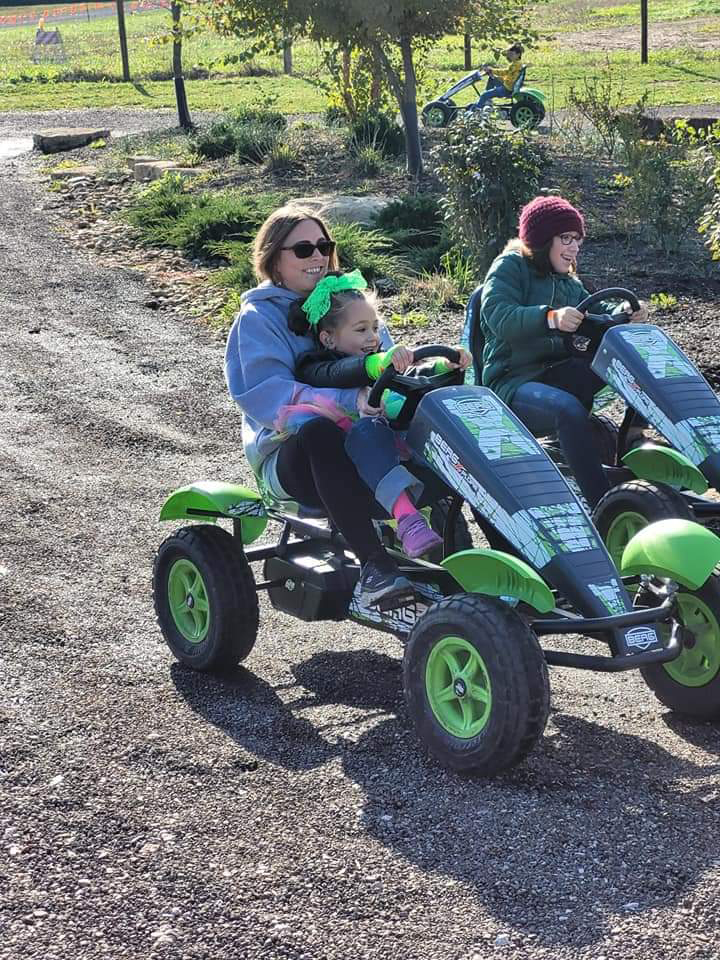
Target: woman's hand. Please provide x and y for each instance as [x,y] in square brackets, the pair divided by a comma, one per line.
[638,316]
[566,319]
[362,405]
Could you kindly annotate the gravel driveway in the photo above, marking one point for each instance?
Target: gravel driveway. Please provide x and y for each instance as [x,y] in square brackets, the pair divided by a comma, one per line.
[146,811]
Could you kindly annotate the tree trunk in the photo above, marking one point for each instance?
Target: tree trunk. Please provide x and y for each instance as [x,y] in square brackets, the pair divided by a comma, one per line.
[406,96]
[468,51]
[345,84]
[180,95]
[408,109]
[123,40]
[287,57]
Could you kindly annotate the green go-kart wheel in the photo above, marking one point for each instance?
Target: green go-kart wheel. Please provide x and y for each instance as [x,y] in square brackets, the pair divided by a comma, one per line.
[690,684]
[476,684]
[205,598]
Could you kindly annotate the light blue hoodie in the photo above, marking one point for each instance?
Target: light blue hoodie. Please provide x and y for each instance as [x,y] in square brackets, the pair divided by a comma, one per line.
[260,360]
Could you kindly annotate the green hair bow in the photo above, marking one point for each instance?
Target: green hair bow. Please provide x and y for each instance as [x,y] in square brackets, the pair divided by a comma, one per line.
[318,303]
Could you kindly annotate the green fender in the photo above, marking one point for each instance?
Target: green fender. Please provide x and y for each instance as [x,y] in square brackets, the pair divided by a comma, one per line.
[499,574]
[665,465]
[532,93]
[679,549]
[209,500]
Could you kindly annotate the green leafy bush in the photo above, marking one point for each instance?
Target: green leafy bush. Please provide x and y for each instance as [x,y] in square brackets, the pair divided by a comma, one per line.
[668,191]
[378,130]
[168,215]
[249,132]
[710,220]
[369,251]
[368,161]
[282,158]
[415,225]
[487,174]
[255,142]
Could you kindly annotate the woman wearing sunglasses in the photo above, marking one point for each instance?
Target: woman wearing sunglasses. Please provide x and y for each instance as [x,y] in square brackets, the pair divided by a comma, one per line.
[291,253]
[527,306]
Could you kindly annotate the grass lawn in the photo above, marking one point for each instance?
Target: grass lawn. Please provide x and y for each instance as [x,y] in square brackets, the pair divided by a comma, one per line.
[672,76]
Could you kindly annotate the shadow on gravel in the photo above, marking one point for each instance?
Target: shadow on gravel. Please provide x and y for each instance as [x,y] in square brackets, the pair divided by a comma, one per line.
[700,734]
[249,711]
[595,826]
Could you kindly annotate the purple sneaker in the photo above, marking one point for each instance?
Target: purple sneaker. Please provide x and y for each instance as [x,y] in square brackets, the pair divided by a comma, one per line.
[416,536]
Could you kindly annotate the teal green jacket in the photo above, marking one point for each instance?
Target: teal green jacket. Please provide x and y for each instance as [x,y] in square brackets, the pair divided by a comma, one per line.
[513,315]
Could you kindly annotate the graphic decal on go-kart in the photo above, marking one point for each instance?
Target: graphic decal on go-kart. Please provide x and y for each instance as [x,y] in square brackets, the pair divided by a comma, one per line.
[662,357]
[610,593]
[542,531]
[497,436]
[686,435]
[401,620]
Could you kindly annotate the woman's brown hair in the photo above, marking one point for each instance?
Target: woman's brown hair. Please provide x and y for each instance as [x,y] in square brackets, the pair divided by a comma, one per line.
[272,235]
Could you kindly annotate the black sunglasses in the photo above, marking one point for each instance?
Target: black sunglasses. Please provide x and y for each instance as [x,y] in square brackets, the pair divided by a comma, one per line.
[303,249]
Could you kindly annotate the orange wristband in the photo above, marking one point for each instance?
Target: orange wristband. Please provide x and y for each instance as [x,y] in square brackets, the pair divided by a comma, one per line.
[551,321]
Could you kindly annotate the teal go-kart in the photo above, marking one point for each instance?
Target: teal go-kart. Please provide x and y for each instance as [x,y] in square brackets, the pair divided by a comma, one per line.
[524,108]
[658,382]
[474,674]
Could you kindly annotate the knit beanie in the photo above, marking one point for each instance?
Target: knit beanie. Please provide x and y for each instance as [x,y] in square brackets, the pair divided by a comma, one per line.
[547,217]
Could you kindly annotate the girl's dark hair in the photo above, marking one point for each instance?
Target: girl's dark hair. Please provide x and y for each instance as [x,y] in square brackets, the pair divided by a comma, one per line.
[539,257]
[297,318]
[516,48]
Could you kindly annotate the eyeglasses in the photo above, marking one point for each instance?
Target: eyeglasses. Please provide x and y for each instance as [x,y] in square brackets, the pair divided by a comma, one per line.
[303,249]
[567,238]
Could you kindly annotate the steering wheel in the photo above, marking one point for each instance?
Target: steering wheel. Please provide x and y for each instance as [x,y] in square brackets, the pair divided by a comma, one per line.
[593,327]
[406,385]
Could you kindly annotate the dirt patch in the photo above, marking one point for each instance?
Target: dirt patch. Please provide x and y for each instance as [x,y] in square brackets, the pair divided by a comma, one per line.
[700,33]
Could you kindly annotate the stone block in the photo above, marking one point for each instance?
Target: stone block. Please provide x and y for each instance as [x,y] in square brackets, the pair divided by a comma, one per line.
[67,173]
[347,209]
[153,169]
[58,139]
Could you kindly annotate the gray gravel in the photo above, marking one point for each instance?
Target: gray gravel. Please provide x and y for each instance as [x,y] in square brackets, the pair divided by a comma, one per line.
[146,811]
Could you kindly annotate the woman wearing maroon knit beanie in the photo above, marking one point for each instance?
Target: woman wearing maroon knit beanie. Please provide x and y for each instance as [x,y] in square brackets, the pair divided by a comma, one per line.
[527,307]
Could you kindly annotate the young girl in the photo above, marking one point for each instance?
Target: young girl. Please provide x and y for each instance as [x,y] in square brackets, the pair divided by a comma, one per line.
[344,322]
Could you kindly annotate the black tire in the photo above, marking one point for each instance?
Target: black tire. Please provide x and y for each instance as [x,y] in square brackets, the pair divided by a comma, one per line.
[605,437]
[527,114]
[226,586]
[511,666]
[461,534]
[691,683]
[629,507]
[437,114]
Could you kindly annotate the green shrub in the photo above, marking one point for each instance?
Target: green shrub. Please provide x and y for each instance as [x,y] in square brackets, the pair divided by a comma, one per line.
[487,175]
[368,161]
[237,131]
[271,118]
[162,203]
[415,225]
[198,224]
[335,116]
[710,220]
[378,130]
[254,142]
[282,158]
[667,193]
[369,251]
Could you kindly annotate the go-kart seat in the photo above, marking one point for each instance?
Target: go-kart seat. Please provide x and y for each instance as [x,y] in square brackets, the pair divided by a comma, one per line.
[472,337]
[519,82]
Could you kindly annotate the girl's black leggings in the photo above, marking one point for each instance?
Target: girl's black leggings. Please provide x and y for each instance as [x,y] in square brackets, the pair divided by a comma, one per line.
[314,469]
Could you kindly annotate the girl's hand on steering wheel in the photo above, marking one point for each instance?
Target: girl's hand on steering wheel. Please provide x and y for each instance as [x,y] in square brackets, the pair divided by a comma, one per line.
[402,358]
[566,319]
[463,363]
[638,316]
[362,405]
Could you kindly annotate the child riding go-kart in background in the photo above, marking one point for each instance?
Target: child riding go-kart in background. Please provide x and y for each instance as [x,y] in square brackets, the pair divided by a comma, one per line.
[501,82]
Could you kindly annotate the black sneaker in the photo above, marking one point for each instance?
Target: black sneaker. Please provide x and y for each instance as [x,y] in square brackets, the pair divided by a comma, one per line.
[382,584]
